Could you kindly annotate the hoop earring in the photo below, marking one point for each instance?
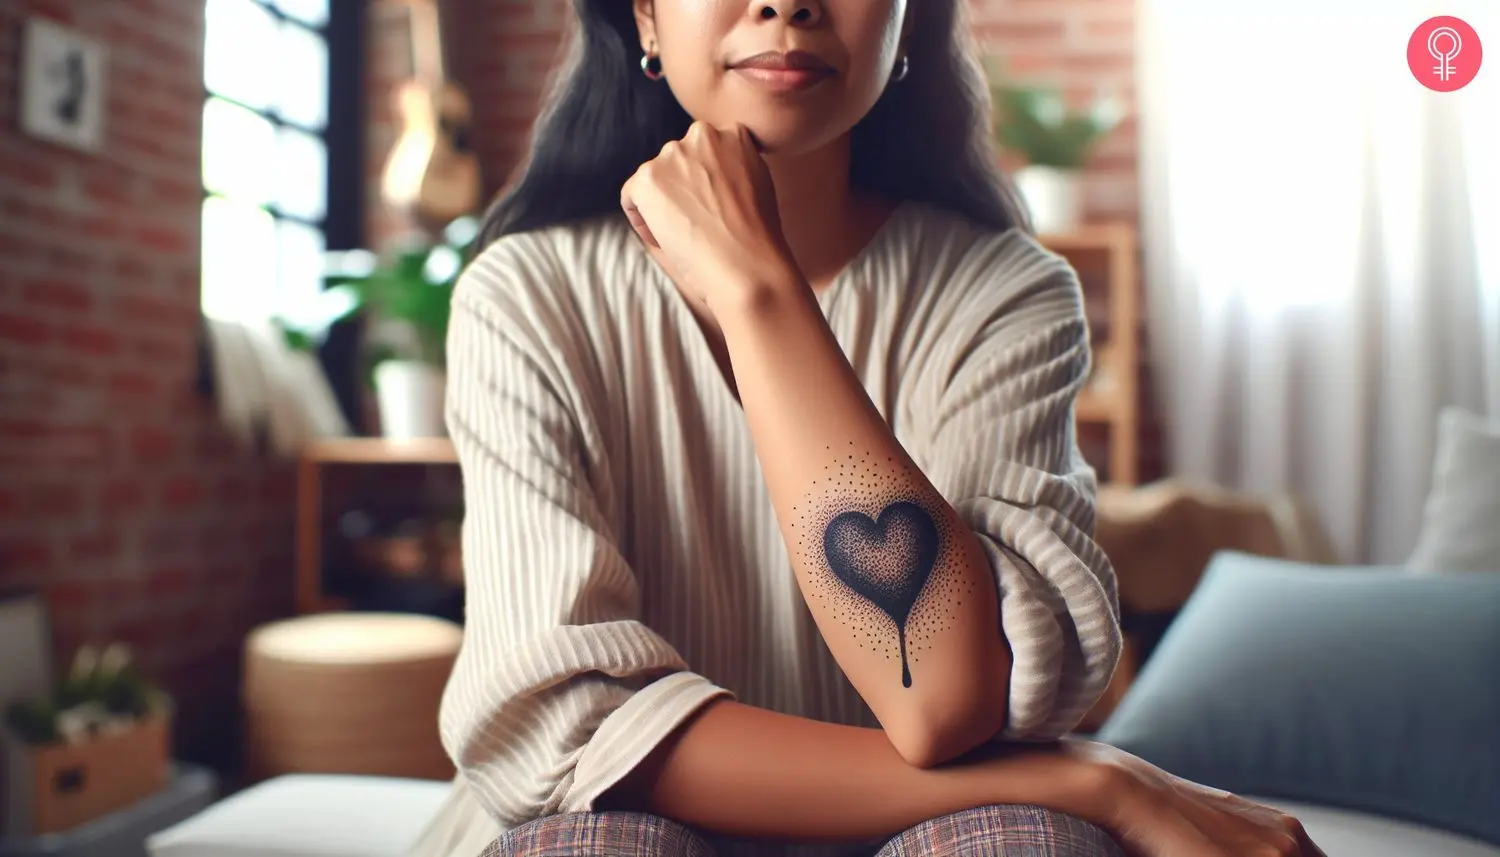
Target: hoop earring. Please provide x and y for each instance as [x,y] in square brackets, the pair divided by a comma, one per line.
[651,66]
[903,67]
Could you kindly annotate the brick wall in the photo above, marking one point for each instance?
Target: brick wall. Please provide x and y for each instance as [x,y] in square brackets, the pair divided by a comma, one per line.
[500,51]
[119,496]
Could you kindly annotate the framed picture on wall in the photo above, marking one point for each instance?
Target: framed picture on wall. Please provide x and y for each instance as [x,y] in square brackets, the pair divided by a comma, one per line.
[26,672]
[62,85]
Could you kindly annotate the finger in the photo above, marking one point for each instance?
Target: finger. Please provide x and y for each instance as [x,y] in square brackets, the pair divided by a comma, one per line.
[1305,846]
[642,229]
[748,138]
[632,211]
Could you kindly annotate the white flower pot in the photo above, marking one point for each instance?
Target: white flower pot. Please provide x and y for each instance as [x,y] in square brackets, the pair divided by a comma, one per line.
[1054,196]
[410,397]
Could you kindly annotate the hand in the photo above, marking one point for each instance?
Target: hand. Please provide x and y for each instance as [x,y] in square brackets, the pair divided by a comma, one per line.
[706,210]
[1155,814]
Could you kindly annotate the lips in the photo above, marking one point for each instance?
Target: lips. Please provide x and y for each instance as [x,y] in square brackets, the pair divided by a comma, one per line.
[779,61]
[779,72]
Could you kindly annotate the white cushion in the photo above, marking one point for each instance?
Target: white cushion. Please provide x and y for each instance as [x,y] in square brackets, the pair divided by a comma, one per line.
[1343,833]
[1463,503]
[309,815]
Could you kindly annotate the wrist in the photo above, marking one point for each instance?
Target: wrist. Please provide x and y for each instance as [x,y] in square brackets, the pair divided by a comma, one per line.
[1061,776]
[1104,791]
[770,293]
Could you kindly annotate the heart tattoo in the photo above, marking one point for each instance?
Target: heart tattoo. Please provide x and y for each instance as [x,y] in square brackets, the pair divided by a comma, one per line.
[886,561]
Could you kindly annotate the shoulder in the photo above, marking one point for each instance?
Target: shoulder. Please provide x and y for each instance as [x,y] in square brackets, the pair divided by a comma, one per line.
[550,278]
[969,267]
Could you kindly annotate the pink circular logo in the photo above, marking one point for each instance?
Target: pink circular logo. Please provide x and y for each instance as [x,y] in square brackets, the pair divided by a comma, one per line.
[1444,53]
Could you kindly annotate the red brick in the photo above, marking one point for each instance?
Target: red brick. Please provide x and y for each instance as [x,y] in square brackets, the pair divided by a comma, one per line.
[63,373]
[28,553]
[155,444]
[130,270]
[133,385]
[90,339]
[56,500]
[110,188]
[183,492]
[102,227]
[118,496]
[134,310]
[169,581]
[28,171]
[158,350]
[171,241]
[59,295]
[24,330]
[69,597]
[41,443]
[94,546]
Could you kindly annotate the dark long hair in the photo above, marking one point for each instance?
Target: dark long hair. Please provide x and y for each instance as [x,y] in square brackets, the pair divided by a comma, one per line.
[927,139]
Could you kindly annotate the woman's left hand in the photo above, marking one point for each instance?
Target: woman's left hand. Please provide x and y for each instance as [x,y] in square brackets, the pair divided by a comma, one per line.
[706,209]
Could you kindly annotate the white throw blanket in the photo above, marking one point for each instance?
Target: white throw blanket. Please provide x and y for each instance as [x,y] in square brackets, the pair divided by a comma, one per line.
[260,383]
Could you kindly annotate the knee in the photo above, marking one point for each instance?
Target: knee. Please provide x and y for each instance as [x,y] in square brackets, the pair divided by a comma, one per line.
[1004,831]
[600,834]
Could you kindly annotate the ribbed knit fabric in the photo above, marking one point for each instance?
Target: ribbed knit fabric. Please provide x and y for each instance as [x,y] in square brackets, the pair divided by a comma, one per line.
[624,565]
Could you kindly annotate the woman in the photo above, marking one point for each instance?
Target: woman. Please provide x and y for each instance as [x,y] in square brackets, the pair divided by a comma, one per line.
[777,534]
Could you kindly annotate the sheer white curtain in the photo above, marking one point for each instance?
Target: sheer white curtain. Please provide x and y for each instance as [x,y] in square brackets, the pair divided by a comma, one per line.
[1322,250]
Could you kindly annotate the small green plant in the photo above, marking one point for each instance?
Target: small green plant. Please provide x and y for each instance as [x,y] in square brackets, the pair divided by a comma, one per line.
[100,688]
[1035,123]
[407,295]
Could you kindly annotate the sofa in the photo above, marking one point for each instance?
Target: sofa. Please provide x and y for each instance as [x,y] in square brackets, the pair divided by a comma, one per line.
[1364,700]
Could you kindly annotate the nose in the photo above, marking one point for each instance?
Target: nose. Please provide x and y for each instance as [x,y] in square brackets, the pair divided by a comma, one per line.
[798,13]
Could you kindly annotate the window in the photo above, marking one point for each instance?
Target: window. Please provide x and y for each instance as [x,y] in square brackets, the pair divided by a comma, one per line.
[265,156]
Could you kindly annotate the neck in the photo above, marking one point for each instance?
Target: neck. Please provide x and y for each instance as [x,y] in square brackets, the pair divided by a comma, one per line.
[825,223]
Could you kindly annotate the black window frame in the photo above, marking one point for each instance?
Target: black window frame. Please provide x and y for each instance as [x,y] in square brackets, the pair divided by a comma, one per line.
[343,221]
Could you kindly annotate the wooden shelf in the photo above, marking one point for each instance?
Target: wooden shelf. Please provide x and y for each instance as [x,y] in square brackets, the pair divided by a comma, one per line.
[338,451]
[1094,408]
[379,450]
[1096,236]
[1108,253]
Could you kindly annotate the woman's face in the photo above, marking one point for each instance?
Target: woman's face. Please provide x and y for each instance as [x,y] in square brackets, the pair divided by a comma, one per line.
[798,74]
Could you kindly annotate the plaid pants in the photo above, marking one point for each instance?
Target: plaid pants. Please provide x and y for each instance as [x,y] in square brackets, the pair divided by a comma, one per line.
[990,831]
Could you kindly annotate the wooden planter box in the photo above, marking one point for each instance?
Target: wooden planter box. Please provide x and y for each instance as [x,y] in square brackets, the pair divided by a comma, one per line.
[77,783]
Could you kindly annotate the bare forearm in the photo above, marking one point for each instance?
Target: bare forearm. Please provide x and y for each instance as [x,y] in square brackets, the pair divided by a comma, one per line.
[748,772]
[900,588]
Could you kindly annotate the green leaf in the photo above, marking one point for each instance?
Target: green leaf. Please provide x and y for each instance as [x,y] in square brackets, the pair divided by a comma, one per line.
[1033,122]
[297,340]
[34,722]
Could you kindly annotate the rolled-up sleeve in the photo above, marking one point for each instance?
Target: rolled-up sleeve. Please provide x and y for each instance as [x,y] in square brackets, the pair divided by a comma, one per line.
[996,434]
[559,690]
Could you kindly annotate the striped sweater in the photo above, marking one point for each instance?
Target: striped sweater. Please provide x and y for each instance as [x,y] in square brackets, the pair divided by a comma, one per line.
[624,562]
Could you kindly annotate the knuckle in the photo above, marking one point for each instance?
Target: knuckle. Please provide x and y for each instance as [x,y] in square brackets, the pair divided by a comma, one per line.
[1281,846]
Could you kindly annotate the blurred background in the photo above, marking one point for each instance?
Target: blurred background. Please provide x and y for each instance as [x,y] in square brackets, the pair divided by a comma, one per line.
[228,230]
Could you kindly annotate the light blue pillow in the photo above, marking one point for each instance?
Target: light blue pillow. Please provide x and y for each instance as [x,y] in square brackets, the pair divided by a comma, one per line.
[1374,689]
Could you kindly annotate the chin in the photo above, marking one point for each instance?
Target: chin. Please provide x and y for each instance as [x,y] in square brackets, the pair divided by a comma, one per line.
[788,136]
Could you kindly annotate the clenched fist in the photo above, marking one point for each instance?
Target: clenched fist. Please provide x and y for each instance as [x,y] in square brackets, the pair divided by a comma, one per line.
[706,209]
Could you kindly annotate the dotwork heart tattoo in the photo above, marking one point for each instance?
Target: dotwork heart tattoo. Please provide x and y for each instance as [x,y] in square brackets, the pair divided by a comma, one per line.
[887,561]
[879,557]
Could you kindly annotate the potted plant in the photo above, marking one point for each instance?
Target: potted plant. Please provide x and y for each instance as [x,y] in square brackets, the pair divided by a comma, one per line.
[1056,142]
[406,297]
[98,741]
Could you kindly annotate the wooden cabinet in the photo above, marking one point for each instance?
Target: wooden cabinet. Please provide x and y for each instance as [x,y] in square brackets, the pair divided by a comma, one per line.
[1105,257]
[316,459]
